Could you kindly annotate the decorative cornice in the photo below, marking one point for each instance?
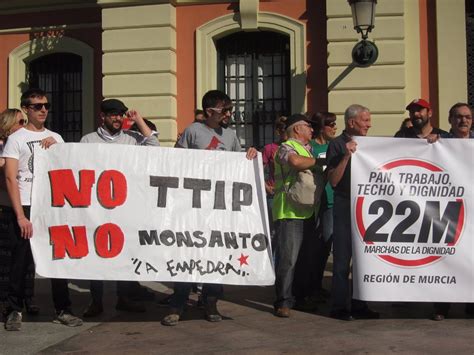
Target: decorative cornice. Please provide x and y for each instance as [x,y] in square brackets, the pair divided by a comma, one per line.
[27,6]
[50,28]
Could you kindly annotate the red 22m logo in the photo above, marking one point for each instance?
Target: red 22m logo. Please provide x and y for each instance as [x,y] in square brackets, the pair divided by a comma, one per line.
[433,224]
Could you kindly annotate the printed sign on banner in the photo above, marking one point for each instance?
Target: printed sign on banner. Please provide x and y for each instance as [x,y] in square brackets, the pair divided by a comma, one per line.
[119,212]
[412,207]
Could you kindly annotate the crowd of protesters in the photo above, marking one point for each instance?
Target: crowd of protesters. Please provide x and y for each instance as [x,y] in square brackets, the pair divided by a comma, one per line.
[303,237]
[307,236]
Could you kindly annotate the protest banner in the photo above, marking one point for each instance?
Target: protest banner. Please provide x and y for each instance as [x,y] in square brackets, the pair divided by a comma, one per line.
[412,204]
[120,212]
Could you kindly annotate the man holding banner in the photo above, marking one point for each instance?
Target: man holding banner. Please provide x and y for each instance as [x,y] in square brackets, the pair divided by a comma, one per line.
[460,118]
[212,134]
[357,121]
[112,115]
[18,154]
[295,223]
[420,116]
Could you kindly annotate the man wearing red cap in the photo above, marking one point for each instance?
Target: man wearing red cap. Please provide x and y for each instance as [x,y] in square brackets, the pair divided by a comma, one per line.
[420,116]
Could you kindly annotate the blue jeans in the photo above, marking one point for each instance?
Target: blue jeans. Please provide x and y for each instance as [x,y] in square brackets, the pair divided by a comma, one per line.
[183,289]
[97,289]
[324,246]
[342,254]
[289,236]
[327,219]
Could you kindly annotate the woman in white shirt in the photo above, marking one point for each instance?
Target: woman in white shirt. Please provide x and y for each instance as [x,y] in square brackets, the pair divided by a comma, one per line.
[11,120]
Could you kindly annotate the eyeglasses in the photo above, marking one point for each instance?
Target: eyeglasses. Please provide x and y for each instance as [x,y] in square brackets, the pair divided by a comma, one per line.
[223,110]
[39,106]
[460,117]
[330,124]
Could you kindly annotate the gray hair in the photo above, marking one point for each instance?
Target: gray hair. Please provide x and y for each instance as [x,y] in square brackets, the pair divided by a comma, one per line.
[354,110]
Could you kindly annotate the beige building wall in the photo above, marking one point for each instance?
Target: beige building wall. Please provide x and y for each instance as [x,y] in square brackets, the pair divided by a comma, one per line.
[452,65]
[139,62]
[387,86]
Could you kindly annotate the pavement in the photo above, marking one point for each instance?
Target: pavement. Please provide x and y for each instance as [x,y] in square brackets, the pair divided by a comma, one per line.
[249,327]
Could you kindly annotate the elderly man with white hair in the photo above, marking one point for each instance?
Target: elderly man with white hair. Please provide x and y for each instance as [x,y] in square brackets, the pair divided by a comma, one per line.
[357,121]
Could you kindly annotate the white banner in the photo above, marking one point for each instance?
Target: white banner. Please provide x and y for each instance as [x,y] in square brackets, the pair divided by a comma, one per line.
[119,212]
[412,207]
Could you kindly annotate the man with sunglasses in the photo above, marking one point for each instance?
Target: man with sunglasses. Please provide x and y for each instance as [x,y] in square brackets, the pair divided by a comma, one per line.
[112,115]
[18,154]
[113,112]
[211,134]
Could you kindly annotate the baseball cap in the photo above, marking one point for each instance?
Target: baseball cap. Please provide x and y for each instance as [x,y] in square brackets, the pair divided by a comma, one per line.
[113,106]
[297,117]
[420,103]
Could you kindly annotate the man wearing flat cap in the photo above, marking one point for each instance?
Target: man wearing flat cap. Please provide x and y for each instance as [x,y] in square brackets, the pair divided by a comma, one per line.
[112,114]
[294,222]
[420,116]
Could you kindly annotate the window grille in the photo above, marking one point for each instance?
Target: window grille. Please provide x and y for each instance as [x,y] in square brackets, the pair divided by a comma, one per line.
[254,70]
[60,75]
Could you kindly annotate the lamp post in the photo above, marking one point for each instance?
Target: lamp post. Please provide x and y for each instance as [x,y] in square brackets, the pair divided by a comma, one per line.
[365,52]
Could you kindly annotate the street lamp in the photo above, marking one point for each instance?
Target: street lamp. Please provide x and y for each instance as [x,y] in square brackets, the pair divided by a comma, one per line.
[364,53]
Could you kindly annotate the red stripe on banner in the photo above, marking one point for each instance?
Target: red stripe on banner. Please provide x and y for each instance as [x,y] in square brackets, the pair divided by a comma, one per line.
[412,162]
[359,219]
[403,262]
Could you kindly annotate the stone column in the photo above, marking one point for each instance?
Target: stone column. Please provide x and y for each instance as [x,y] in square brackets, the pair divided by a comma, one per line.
[139,62]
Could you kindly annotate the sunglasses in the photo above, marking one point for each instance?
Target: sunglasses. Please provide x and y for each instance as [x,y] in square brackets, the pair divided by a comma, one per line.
[330,124]
[222,109]
[37,107]
[115,114]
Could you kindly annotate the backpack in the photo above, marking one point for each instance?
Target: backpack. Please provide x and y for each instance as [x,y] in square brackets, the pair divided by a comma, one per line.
[306,190]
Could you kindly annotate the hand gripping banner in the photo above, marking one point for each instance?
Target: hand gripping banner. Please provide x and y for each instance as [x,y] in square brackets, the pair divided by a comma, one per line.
[119,212]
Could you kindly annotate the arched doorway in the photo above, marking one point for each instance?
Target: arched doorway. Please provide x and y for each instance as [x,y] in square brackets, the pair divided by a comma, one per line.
[60,75]
[254,70]
[28,52]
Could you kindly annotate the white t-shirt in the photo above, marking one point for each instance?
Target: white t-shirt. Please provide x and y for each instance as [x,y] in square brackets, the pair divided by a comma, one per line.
[4,199]
[20,146]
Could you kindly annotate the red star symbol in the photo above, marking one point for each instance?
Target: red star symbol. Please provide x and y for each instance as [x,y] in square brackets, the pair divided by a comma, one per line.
[243,259]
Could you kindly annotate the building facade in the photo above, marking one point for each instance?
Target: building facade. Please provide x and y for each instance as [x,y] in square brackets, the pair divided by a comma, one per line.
[272,57]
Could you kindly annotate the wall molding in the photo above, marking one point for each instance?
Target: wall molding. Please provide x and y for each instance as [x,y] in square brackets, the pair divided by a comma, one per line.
[206,52]
[38,47]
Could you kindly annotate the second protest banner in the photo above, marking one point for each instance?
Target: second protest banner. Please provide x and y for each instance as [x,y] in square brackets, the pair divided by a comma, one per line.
[115,212]
[412,212]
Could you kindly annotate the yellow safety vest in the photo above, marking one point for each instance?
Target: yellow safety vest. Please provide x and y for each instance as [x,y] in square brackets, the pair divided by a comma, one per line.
[282,207]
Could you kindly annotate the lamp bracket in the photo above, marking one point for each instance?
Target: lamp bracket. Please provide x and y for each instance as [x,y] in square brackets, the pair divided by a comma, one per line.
[365,53]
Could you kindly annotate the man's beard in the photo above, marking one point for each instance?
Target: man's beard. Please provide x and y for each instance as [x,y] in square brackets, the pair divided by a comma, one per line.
[224,123]
[112,129]
[419,123]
